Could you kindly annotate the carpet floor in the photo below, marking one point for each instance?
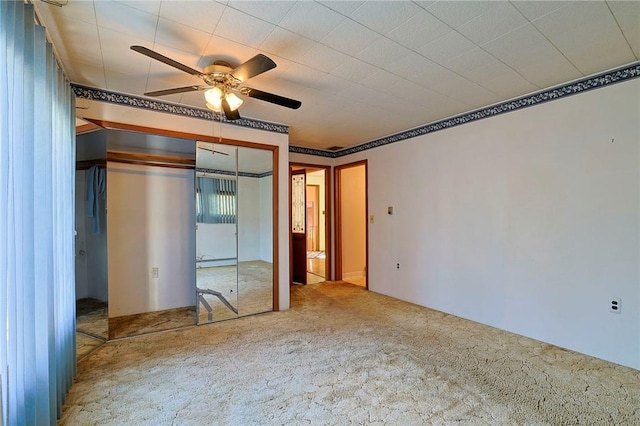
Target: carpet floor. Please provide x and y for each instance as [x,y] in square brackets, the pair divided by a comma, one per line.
[343,355]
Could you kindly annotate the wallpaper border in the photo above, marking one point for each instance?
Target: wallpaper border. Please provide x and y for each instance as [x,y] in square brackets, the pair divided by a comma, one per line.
[101,95]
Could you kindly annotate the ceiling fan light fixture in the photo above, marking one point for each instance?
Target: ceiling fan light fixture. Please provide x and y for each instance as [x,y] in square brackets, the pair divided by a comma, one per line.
[233,100]
[214,108]
[214,98]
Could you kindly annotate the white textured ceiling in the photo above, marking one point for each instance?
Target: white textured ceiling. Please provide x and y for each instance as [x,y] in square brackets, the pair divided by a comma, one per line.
[362,69]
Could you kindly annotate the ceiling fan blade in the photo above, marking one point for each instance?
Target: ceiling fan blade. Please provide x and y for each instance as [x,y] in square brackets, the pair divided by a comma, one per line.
[231,115]
[270,97]
[254,66]
[158,57]
[174,91]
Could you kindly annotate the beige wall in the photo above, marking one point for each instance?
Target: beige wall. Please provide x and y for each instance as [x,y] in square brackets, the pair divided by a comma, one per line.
[527,221]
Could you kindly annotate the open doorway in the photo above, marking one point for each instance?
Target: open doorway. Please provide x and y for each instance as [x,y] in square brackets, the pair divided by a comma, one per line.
[310,224]
[351,223]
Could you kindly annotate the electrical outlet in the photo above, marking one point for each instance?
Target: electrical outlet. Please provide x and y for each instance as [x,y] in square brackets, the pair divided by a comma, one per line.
[155,273]
[397,266]
[615,306]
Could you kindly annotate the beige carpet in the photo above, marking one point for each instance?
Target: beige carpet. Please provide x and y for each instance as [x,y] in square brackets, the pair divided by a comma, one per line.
[343,355]
[91,317]
[247,287]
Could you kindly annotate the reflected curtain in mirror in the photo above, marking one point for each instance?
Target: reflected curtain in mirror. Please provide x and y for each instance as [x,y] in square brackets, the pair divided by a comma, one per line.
[215,200]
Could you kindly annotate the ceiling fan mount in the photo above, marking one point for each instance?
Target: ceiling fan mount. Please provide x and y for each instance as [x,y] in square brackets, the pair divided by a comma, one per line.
[223,83]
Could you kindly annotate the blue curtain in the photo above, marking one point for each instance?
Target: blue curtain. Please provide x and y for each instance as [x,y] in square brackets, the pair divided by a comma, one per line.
[37,184]
[215,200]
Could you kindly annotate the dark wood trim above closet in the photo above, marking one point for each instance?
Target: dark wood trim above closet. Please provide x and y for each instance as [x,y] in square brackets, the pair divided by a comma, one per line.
[151,160]
[180,135]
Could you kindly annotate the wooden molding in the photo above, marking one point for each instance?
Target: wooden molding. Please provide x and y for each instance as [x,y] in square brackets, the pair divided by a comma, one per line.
[87,128]
[274,237]
[151,160]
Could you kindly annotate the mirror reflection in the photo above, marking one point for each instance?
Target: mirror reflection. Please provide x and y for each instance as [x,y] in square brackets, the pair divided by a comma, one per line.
[216,232]
[234,231]
[255,231]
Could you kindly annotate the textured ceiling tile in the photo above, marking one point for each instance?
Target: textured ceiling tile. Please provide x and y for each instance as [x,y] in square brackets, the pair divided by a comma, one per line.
[181,37]
[627,14]
[378,80]
[79,10]
[343,7]
[384,16]
[613,50]
[125,83]
[549,70]
[497,21]
[71,30]
[152,7]
[287,44]
[467,62]
[323,58]
[350,37]
[352,91]
[450,45]
[222,49]
[161,78]
[87,74]
[118,56]
[592,28]
[412,92]
[128,20]
[484,75]
[468,92]
[383,52]
[243,28]
[408,66]
[421,70]
[458,13]
[270,11]
[533,10]
[305,75]
[419,30]
[200,15]
[508,84]
[572,18]
[311,20]
[354,70]
[530,44]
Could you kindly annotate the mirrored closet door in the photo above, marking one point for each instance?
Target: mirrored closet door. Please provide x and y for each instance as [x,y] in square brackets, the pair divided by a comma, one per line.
[216,232]
[234,231]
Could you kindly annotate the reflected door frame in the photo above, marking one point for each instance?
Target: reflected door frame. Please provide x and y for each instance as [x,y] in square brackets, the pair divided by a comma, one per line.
[327,216]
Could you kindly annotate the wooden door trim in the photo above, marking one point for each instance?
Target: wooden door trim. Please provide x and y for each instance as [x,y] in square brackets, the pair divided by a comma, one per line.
[328,247]
[338,220]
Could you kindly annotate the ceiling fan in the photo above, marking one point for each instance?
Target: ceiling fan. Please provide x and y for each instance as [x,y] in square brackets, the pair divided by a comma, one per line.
[222,83]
